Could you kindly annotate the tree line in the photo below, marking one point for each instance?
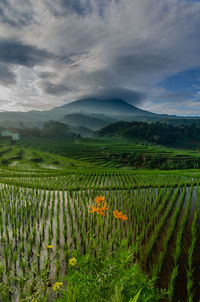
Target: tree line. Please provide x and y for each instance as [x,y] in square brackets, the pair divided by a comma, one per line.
[160,133]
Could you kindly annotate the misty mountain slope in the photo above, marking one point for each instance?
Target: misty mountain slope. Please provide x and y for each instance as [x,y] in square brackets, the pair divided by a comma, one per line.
[83,131]
[107,107]
[107,111]
[77,119]
[91,113]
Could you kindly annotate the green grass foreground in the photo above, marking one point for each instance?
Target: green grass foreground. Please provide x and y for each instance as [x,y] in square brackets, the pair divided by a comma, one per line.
[113,278]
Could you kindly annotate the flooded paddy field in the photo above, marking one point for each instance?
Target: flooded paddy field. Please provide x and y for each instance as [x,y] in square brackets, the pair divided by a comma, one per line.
[44,217]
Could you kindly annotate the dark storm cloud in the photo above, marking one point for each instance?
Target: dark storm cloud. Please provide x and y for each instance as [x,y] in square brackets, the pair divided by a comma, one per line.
[15,52]
[46,75]
[54,89]
[132,97]
[142,63]
[7,77]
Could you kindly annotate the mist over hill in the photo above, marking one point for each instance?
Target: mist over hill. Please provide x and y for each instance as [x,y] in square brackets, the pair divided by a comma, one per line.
[103,111]
[89,113]
[91,122]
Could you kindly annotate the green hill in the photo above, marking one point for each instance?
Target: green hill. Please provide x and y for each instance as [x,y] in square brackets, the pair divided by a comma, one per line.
[160,133]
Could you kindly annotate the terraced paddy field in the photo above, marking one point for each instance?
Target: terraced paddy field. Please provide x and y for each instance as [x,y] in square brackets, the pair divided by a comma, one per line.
[40,153]
[113,153]
[45,216]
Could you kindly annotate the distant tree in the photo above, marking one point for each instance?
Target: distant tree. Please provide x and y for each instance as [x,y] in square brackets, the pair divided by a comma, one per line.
[78,136]
[56,129]
[31,132]
[21,125]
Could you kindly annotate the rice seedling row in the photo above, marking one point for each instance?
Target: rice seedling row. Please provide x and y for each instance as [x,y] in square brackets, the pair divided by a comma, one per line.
[40,227]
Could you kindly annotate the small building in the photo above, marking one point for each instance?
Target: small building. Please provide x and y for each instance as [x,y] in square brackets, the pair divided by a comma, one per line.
[11,133]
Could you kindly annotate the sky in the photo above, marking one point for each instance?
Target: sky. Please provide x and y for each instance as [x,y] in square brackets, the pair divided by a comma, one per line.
[146,52]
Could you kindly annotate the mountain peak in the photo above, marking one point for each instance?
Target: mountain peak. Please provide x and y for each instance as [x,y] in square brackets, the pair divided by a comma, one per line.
[110,106]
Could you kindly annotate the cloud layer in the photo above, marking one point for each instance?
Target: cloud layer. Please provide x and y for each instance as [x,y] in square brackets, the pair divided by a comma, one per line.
[52,52]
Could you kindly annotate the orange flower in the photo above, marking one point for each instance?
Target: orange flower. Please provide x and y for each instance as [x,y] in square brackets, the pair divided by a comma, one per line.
[94,209]
[104,208]
[99,210]
[119,215]
[100,199]
[124,217]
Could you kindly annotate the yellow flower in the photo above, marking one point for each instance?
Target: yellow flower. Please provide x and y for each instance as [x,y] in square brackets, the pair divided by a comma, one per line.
[56,286]
[49,246]
[72,261]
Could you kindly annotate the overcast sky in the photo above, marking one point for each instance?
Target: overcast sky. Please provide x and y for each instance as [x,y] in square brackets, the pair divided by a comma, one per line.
[144,51]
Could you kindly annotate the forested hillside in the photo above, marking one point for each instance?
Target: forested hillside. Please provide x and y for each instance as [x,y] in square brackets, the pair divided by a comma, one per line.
[161,133]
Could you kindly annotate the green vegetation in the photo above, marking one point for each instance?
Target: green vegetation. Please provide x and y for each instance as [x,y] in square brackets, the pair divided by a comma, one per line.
[110,278]
[56,129]
[59,241]
[190,281]
[99,153]
[158,267]
[110,153]
[20,157]
[162,133]
[40,230]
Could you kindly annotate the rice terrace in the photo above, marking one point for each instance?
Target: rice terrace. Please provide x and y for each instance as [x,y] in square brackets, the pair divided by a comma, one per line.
[99,151]
[56,223]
